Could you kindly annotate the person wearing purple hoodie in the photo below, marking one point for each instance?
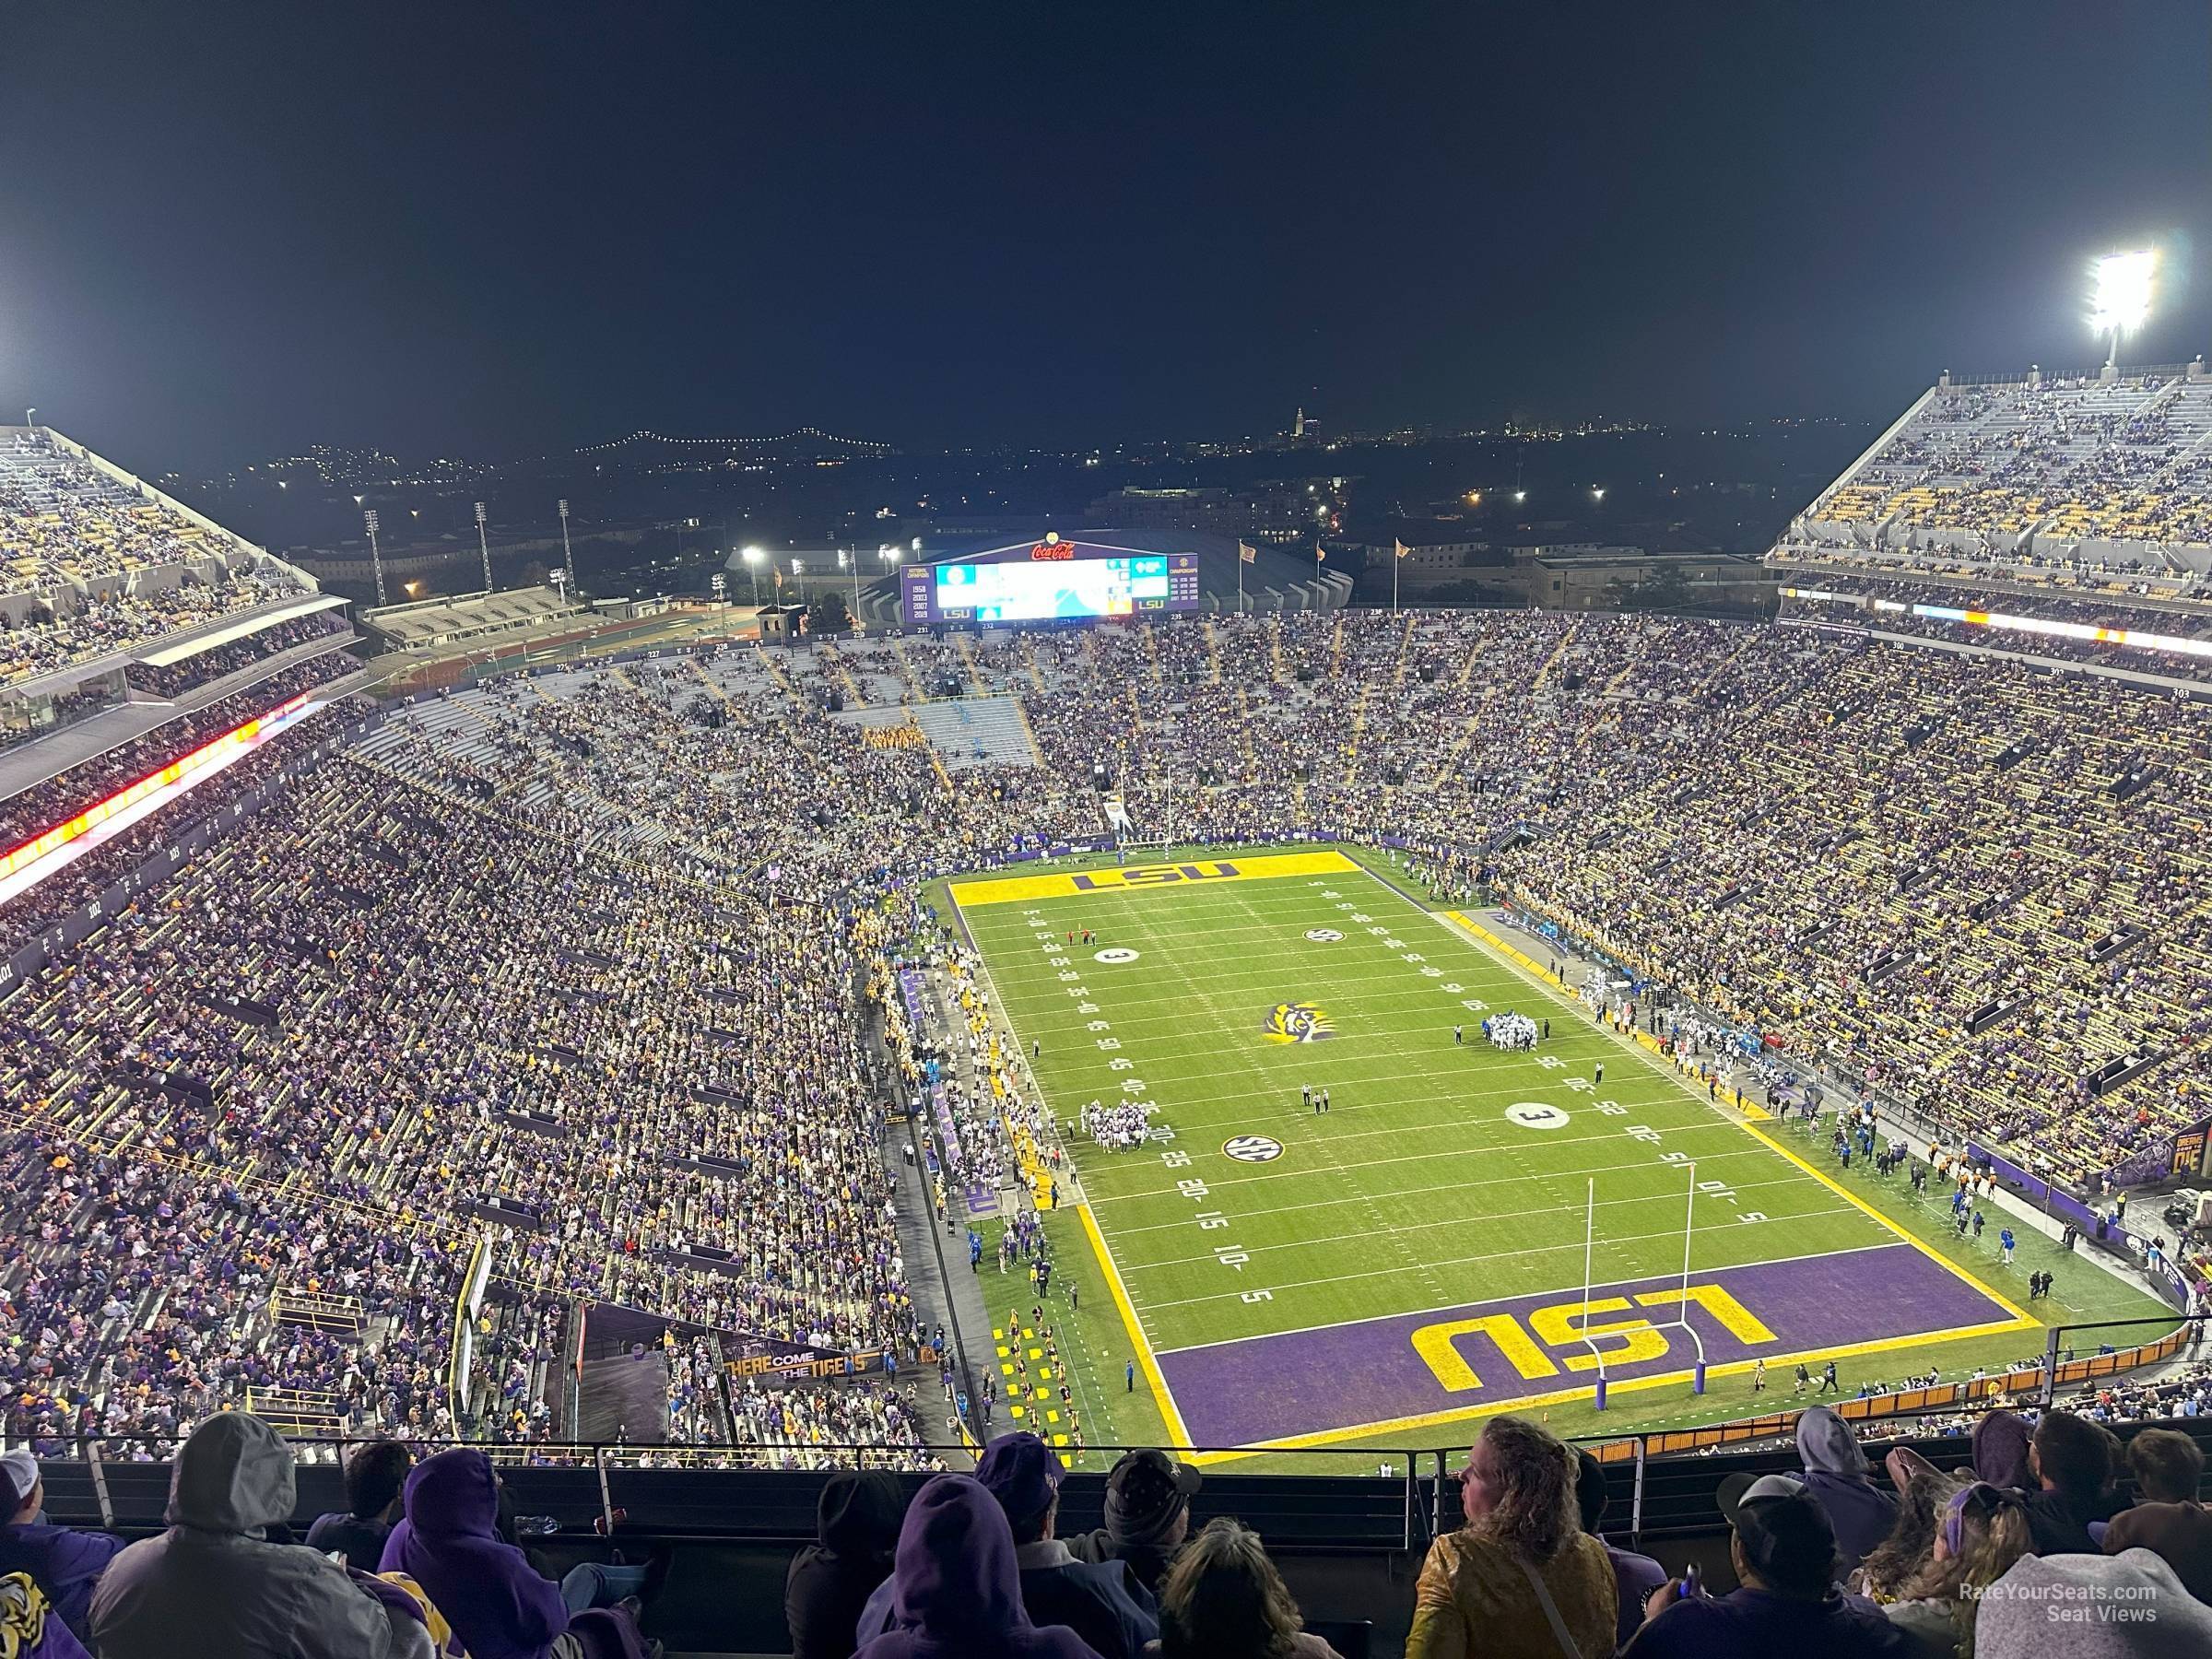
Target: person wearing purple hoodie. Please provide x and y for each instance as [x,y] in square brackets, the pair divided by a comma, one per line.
[448,1542]
[64,1561]
[956,1593]
[1837,1476]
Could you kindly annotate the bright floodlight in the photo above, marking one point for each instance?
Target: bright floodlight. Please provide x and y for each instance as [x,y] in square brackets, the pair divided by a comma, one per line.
[2120,294]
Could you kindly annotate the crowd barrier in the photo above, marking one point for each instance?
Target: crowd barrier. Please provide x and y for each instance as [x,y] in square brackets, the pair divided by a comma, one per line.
[2024,1383]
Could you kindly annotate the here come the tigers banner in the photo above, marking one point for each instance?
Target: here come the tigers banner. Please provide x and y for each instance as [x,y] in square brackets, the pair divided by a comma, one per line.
[1070,884]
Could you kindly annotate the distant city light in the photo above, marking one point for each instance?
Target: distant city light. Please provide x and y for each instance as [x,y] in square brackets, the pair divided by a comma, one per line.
[2120,294]
[1597,494]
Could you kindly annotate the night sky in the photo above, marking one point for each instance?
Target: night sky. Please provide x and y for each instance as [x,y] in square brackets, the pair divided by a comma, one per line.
[228,231]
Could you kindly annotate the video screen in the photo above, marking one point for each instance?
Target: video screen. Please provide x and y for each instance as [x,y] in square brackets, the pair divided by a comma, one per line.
[1022,591]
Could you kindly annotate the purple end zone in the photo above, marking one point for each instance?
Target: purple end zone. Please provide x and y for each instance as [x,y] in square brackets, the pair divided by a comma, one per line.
[1272,1388]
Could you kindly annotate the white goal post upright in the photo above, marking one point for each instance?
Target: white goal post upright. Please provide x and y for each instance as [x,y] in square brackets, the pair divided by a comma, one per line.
[1589,1244]
[1689,1217]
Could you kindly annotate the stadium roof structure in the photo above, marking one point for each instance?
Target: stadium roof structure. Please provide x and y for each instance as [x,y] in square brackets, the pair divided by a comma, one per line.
[2095,485]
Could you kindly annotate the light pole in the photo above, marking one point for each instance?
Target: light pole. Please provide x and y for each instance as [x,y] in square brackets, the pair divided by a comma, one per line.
[31,420]
[841,560]
[2120,295]
[752,566]
[484,545]
[375,557]
[568,558]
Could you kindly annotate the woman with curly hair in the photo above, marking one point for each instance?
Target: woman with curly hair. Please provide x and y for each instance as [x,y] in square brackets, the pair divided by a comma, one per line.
[1521,1579]
[1983,1530]
[1223,1599]
[1882,1577]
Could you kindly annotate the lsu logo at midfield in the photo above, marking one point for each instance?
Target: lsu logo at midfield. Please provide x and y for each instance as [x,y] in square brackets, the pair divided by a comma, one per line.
[1153,875]
[1297,1022]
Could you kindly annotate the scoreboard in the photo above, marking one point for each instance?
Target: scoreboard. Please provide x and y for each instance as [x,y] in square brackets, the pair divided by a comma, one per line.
[1057,580]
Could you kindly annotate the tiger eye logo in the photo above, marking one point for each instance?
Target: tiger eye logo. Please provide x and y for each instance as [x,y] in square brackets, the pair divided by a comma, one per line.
[1297,1022]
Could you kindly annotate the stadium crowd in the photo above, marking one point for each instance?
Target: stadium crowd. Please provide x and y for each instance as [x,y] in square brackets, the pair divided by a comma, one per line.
[89,566]
[2079,484]
[204,667]
[580,970]
[1843,1556]
[30,813]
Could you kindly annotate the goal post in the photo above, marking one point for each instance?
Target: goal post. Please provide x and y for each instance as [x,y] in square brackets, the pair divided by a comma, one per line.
[1589,1246]
[1681,1319]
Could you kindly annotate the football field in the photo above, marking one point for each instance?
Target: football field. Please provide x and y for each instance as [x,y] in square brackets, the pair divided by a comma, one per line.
[1416,1253]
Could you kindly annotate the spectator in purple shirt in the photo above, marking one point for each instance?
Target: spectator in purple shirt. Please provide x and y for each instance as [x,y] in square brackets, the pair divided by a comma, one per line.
[1635,1576]
[1787,1603]
[62,1561]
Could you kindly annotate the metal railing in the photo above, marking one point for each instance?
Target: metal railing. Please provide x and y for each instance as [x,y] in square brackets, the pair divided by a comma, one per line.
[599,1473]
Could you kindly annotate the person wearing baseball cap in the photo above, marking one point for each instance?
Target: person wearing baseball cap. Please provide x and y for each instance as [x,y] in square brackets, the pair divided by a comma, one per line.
[1783,1548]
[64,1563]
[1148,1516]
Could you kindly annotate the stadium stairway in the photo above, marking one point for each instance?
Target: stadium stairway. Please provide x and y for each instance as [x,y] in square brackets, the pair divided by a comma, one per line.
[630,1394]
[977,731]
[945,1291]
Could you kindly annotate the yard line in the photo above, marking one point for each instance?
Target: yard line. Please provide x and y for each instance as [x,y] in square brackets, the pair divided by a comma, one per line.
[1672,1200]
[1228,1180]
[1502,1255]
[1284,1094]
[1462,1186]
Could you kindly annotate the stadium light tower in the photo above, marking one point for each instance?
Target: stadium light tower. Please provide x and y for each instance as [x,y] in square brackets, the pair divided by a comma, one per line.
[752,566]
[484,544]
[568,558]
[375,558]
[2120,295]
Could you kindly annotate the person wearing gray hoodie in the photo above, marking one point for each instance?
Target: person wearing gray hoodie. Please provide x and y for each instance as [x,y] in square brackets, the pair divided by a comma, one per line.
[213,1587]
[1838,1477]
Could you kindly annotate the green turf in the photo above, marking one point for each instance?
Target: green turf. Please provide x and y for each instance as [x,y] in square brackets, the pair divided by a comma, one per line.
[1414,1191]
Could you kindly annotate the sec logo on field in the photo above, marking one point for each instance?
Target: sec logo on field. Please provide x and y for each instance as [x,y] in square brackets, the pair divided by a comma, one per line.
[1253,1148]
[1323,935]
[1534,1114]
[1117,953]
